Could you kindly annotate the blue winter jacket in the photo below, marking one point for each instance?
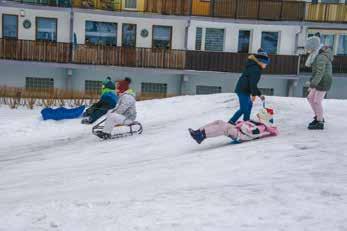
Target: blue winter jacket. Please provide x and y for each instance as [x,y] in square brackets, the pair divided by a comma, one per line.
[110,98]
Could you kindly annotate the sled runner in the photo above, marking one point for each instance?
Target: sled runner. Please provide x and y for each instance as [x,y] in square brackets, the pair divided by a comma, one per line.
[135,128]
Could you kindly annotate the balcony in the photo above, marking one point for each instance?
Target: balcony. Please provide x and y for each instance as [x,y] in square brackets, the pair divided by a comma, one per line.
[323,12]
[40,51]
[339,64]
[168,7]
[56,3]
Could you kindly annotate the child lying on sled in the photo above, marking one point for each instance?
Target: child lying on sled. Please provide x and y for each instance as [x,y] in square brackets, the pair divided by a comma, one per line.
[240,132]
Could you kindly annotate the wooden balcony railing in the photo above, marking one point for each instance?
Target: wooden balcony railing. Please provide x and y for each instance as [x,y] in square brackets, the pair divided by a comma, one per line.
[41,51]
[56,3]
[235,62]
[323,12]
[130,57]
[35,51]
[259,9]
[171,7]
[339,64]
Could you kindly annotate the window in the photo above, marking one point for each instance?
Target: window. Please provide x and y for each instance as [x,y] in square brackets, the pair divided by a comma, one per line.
[9,26]
[342,48]
[214,40]
[158,89]
[267,91]
[328,40]
[162,37]
[92,86]
[46,29]
[330,1]
[129,35]
[130,4]
[101,33]
[198,38]
[39,83]
[244,41]
[206,90]
[269,42]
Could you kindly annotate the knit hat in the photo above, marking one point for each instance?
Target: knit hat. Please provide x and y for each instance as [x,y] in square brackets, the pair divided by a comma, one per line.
[312,43]
[262,56]
[122,86]
[265,116]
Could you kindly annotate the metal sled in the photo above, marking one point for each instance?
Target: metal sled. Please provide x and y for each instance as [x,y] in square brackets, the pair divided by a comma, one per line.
[134,128]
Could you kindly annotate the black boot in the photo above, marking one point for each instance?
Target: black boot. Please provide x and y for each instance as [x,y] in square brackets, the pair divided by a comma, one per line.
[319,125]
[197,135]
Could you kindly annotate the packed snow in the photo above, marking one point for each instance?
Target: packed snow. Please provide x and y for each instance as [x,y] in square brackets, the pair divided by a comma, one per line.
[58,176]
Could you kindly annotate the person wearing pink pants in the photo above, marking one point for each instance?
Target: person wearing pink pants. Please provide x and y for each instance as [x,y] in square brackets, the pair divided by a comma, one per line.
[320,60]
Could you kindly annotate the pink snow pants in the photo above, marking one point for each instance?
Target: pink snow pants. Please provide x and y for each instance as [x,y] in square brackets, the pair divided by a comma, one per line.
[220,128]
[315,99]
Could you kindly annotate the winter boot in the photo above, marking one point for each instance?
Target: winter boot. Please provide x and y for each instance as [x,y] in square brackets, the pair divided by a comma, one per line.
[197,135]
[319,125]
[86,121]
[103,135]
[315,121]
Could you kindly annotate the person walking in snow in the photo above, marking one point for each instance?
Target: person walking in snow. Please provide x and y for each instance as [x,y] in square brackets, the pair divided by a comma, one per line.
[247,85]
[320,59]
[124,112]
[108,100]
[240,132]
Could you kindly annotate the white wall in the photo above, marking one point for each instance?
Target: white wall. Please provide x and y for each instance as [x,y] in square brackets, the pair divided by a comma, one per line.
[62,15]
[178,28]
[287,35]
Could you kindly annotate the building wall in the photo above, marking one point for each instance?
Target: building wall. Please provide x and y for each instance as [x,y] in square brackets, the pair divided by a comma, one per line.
[62,15]
[13,76]
[138,77]
[286,43]
[178,28]
[228,83]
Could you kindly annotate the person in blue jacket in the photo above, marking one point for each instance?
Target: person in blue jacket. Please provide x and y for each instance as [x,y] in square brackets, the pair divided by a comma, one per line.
[247,85]
[108,100]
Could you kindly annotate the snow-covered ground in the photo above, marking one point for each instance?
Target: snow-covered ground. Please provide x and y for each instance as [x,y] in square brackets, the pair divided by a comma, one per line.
[57,176]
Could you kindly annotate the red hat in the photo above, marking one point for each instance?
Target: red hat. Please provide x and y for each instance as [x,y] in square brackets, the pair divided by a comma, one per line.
[122,86]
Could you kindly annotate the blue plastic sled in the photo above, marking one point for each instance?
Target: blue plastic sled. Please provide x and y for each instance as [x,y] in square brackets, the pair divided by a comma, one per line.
[62,113]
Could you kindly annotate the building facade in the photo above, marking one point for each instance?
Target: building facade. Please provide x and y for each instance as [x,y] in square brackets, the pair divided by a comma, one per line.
[167,47]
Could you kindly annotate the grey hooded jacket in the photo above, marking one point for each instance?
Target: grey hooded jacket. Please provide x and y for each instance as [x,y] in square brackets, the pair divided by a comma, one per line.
[126,105]
[322,74]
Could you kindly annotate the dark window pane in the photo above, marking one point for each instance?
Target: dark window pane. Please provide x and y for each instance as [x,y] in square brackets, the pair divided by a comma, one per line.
[269,42]
[92,86]
[10,26]
[206,90]
[267,91]
[39,83]
[154,89]
[129,35]
[198,39]
[130,4]
[214,40]
[46,29]
[162,37]
[101,33]
[244,41]
[342,48]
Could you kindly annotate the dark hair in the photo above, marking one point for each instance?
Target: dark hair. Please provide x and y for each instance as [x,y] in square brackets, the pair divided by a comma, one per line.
[108,78]
[127,79]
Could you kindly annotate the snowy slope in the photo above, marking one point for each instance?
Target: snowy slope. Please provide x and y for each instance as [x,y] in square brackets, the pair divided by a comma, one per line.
[57,176]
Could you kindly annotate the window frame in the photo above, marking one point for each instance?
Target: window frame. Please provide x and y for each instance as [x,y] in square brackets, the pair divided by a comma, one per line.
[165,85]
[224,36]
[278,41]
[171,32]
[2,26]
[50,80]
[92,44]
[127,8]
[200,87]
[98,91]
[250,41]
[338,44]
[123,24]
[36,28]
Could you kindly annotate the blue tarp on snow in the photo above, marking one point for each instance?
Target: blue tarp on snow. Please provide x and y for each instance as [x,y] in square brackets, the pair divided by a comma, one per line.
[62,113]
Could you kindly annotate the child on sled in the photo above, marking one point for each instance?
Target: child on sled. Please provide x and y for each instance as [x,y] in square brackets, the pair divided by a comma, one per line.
[240,132]
[124,113]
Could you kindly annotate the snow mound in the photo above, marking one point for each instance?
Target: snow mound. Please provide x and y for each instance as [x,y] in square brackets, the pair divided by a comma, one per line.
[57,176]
